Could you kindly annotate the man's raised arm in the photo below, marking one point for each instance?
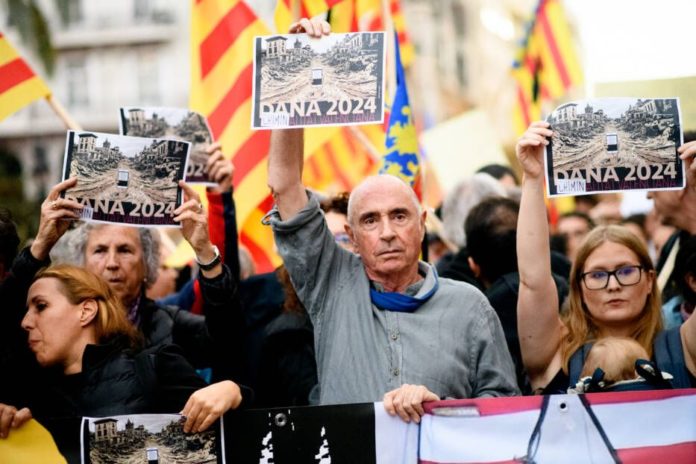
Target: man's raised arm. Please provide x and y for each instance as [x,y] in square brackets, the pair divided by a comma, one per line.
[285,156]
[285,171]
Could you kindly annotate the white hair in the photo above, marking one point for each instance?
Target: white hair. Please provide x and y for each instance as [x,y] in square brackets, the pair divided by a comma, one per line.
[468,193]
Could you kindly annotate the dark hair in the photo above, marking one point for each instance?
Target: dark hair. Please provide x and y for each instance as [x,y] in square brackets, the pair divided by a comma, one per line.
[498,171]
[491,231]
[9,240]
[336,204]
[579,215]
[685,263]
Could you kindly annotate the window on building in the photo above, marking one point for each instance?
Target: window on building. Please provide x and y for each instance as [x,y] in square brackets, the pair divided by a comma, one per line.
[73,13]
[76,81]
[148,77]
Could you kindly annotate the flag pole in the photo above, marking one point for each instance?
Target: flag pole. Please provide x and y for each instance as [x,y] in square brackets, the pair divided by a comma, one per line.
[391,57]
[62,113]
[365,142]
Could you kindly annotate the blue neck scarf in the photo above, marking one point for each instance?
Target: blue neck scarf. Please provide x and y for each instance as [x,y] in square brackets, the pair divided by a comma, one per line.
[398,302]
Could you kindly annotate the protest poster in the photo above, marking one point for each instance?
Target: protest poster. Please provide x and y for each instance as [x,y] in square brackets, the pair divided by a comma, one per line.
[125,180]
[149,438]
[172,124]
[613,145]
[301,81]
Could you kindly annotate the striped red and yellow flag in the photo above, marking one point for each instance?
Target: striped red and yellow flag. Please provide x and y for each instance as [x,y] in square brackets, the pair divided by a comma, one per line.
[19,85]
[222,44]
[287,11]
[547,65]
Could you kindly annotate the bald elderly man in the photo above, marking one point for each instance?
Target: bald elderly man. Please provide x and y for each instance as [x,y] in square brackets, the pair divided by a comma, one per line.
[386,327]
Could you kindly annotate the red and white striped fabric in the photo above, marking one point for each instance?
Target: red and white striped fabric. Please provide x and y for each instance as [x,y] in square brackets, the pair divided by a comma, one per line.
[638,427]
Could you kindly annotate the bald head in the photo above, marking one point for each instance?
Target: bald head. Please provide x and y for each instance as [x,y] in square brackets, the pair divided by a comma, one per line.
[379,183]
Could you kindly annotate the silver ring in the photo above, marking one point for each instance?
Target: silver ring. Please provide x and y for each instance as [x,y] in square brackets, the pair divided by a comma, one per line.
[54,204]
[200,207]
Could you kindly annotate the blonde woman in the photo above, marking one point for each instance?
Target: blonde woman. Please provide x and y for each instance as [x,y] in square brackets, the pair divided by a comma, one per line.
[613,289]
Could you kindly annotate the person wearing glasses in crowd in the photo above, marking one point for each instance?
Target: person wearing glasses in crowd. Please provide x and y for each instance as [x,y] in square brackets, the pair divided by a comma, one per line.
[613,292]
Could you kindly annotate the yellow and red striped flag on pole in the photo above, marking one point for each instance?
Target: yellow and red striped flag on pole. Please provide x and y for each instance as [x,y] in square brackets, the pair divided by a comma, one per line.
[547,65]
[19,85]
[222,45]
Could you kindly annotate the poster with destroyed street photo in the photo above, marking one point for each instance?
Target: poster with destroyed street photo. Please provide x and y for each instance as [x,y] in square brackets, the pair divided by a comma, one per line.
[149,438]
[300,81]
[173,124]
[125,180]
[614,144]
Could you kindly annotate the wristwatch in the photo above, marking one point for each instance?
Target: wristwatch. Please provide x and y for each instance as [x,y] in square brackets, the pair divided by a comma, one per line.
[213,262]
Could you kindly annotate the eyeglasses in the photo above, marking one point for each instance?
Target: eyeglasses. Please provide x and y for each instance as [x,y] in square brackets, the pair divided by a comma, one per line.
[625,275]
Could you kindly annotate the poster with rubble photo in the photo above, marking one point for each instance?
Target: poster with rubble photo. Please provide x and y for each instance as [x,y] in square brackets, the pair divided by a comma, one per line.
[173,124]
[301,81]
[125,180]
[149,438]
[614,144]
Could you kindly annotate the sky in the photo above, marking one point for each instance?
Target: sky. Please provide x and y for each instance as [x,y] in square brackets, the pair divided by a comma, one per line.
[622,40]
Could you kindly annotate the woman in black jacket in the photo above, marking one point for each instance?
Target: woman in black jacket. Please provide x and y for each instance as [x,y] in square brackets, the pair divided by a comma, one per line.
[89,363]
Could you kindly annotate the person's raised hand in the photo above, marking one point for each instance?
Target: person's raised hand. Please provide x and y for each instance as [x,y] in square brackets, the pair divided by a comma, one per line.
[206,405]
[407,402]
[56,214]
[530,149]
[194,223]
[314,27]
[219,169]
[687,153]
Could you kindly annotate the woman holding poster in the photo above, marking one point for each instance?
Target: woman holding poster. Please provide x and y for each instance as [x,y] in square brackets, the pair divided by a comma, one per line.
[613,292]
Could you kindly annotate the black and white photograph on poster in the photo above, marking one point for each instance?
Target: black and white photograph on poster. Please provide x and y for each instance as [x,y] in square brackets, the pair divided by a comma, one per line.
[149,438]
[613,145]
[173,124]
[125,180]
[301,81]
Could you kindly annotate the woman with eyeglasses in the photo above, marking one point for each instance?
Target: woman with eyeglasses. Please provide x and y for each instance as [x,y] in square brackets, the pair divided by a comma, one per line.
[613,290]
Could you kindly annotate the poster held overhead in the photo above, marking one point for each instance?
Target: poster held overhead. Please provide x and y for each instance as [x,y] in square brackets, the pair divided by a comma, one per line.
[614,145]
[299,81]
[172,124]
[125,180]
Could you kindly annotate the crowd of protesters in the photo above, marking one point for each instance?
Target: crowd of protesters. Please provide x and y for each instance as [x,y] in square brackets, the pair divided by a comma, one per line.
[512,304]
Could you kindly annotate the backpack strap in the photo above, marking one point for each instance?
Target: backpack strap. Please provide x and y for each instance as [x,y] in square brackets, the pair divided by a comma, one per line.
[669,356]
[575,363]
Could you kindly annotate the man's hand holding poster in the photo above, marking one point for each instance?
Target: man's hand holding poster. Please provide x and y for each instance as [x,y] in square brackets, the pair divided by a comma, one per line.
[173,124]
[301,81]
[125,180]
[614,144]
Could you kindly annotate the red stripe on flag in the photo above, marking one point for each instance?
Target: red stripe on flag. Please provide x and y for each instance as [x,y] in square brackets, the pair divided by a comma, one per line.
[312,165]
[523,105]
[263,263]
[634,396]
[14,73]
[553,46]
[223,36]
[236,95]
[338,172]
[266,204]
[252,152]
[679,452]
